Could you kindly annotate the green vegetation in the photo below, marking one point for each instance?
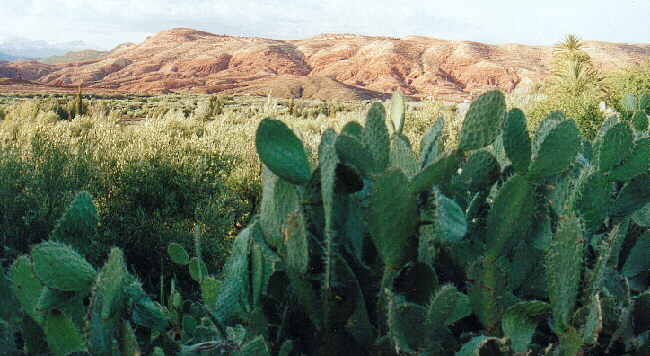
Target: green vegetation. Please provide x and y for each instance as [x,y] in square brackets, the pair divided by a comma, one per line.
[575,88]
[486,238]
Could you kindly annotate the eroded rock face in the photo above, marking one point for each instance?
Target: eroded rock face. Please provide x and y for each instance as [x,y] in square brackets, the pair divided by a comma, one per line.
[25,70]
[328,65]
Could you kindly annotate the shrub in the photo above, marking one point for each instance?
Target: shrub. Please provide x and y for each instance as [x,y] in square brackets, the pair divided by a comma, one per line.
[634,80]
[152,185]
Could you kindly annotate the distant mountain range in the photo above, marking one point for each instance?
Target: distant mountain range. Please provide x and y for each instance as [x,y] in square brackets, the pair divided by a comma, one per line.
[7,57]
[75,56]
[21,48]
[327,66]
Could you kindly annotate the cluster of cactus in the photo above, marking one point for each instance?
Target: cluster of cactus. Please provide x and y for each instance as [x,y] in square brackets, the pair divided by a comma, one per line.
[60,303]
[509,244]
[506,245]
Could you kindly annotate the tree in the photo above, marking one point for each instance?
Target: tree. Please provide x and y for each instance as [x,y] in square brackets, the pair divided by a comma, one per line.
[575,87]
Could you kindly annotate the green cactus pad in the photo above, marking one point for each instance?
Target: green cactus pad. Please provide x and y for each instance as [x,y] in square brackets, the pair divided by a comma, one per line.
[478,343]
[616,146]
[235,287]
[521,320]
[593,200]
[63,337]
[58,266]
[639,258]
[101,332]
[405,321]
[593,323]
[555,150]
[641,314]
[634,195]
[512,211]
[431,145]
[263,262]
[480,171]
[397,112]
[486,292]
[636,164]
[353,129]
[279,199]
[198,269]
[447,306]
[437,173]
[450,221]
[297,247]
[483,121]
[210,290]
[111,282]
[358,324]
[53,299]
[392,218]
[571,342]
[128,340]
[402,157]
[640,121]
[178,254]
[376,137]
[149,314]
[27,288]
[564,269]
[283,152]
[642,216]
[295,231]
[516,141]
[78,226]
[629,102]
[255,347]
[352,152]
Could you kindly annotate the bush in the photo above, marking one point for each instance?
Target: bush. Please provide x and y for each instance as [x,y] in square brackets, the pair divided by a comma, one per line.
[152,186]
[633,80]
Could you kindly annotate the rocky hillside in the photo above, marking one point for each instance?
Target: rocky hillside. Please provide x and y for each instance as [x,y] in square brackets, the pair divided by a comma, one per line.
[326,66]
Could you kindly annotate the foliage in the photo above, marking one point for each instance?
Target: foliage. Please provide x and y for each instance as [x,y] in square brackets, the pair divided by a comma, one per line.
[574,88]
[151,185]
[504,243]
[377,261]
[634,80]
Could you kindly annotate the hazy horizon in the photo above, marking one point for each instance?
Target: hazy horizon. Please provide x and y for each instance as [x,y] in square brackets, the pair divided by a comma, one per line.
[105,24]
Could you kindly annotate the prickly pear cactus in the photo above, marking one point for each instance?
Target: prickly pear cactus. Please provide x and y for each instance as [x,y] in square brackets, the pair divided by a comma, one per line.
[519,228]
[516,242]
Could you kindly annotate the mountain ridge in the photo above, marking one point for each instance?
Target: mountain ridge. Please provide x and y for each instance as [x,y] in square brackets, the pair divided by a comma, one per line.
[342,66]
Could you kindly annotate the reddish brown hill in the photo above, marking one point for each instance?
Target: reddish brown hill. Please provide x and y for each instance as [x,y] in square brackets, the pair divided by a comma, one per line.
[325,66]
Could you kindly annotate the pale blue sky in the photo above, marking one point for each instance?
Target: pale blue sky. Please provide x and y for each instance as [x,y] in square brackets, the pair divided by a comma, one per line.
[106,23]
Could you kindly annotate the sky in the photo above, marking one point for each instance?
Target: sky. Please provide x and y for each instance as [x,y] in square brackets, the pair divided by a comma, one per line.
[103,24]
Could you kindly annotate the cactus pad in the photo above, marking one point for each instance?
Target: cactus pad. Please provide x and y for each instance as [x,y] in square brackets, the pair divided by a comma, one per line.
[283,152]
[59,267]
[516,141]
[483,121]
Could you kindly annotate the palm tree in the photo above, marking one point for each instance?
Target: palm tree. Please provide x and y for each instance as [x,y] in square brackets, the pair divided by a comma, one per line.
[571,44]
